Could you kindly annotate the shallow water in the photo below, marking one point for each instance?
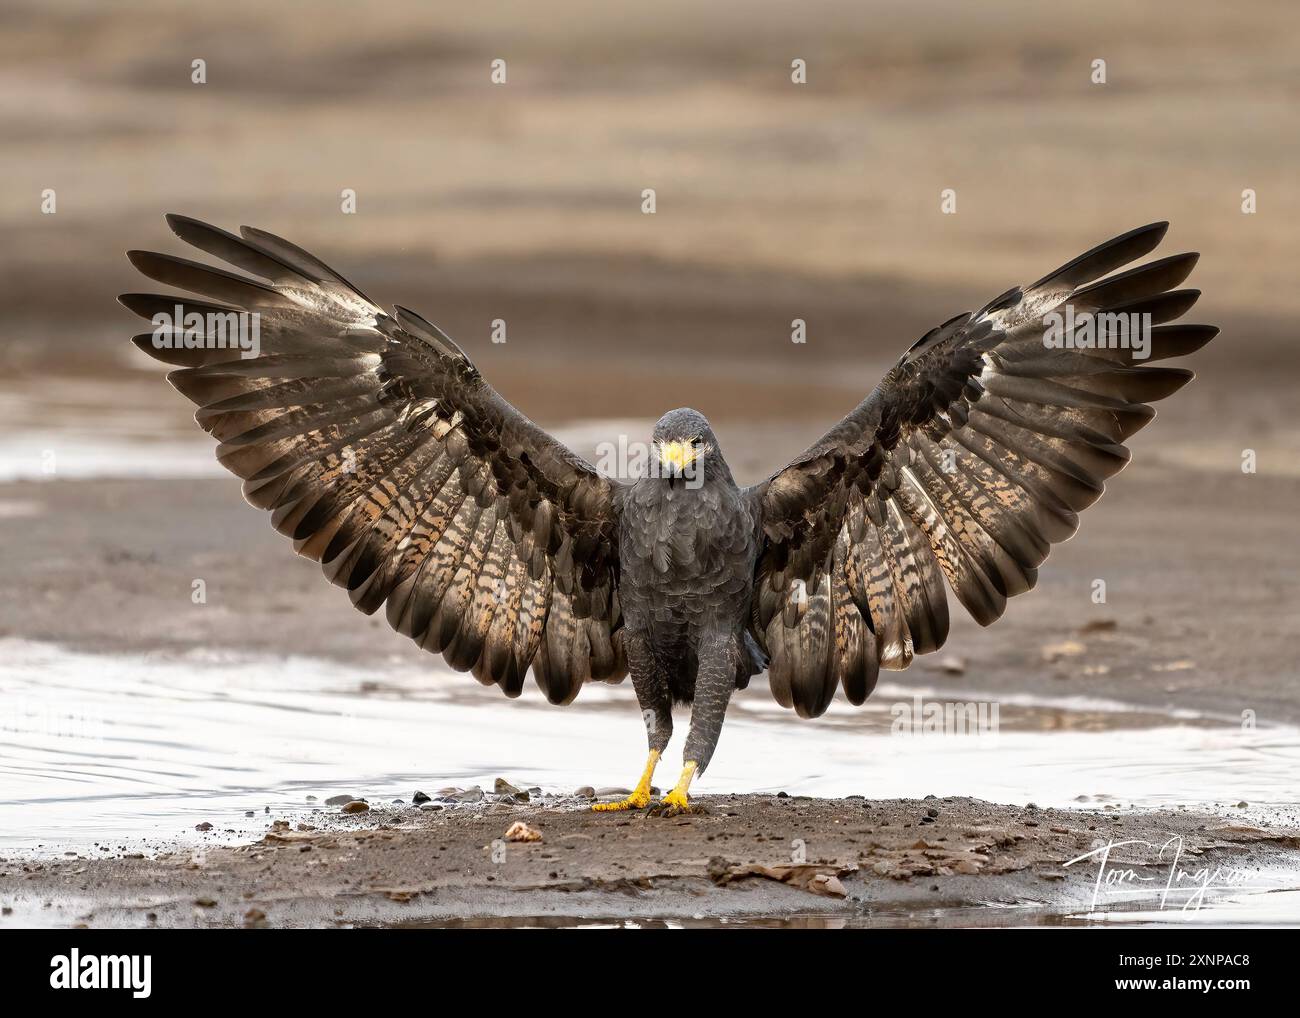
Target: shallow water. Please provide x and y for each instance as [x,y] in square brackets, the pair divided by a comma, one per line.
[1267,909]
[136,426]
[110,751]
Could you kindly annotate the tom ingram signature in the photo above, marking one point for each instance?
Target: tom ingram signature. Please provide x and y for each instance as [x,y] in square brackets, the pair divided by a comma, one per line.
[1124,881]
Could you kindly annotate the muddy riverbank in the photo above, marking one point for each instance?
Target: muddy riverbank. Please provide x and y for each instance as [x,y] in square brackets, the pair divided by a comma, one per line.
[754,857]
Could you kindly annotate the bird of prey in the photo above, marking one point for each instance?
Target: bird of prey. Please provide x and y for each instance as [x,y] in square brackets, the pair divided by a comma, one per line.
[383,454]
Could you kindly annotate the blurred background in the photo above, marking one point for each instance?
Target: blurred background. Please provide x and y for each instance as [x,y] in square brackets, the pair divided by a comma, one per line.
[522,201]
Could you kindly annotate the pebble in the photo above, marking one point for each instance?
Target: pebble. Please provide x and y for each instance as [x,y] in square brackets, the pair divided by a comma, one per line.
[932,812]
[419,798]
[431,807]
[340,800]
[356,806]
[585,792]
[205,826]
[520,831]
[613,791]
[474,794]
[503,787]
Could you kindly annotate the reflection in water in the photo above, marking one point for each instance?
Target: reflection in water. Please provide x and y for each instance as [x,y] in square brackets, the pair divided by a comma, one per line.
[108,750]
[1275,909]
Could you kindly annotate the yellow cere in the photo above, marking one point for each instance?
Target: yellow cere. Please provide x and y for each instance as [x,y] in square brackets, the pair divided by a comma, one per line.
[677,454]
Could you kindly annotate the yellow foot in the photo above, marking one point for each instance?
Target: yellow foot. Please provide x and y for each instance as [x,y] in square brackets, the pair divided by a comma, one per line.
[676,801]
[640,797]
[636,800]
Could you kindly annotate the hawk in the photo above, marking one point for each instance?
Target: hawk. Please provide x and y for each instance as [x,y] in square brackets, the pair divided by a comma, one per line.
[382,453]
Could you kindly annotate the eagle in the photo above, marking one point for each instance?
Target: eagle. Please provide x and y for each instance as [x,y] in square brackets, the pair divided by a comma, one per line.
[382,453]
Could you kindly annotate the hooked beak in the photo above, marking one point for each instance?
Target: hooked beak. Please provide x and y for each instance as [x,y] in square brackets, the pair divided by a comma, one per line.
[676,456]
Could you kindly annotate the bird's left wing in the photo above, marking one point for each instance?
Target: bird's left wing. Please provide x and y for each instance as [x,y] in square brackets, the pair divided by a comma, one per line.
[381,451]
[972,456]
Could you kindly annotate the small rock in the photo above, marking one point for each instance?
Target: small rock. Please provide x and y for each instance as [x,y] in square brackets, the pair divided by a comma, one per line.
[932,812]
[419,798]
[342,800]
[503,787]
[355,806]
[953,666]
[520,831]
[474,794]
[585,792]
[1243,804]
[1099,626]
[783,795]
[1066,648]
[431,807]
[205,826]
[254,917]
[205,902]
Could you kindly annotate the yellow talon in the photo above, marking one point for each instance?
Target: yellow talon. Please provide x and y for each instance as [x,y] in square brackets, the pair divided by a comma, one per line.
[677,799]
[640,797]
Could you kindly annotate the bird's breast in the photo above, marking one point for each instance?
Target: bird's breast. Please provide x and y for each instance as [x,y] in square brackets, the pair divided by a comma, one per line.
[685,554]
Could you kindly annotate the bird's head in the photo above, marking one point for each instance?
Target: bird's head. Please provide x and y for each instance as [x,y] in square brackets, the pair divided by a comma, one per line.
[684,446]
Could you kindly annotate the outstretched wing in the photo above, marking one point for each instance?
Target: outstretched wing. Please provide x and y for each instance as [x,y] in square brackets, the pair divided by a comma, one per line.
[968,461]
[384,455]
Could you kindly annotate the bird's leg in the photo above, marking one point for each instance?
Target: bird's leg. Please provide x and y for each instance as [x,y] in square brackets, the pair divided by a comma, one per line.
[656,710]
[719,657]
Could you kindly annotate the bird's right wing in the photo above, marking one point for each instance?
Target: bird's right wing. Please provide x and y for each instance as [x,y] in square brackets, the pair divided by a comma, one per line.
[967,462]
[381,451]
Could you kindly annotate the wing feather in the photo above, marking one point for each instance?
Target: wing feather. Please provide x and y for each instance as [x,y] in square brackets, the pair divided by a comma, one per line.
[970,459]
[380,451]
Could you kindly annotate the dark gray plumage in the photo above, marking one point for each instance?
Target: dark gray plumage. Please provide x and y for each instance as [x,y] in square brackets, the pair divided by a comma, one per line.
[383,454]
